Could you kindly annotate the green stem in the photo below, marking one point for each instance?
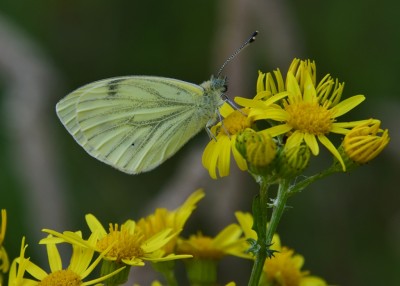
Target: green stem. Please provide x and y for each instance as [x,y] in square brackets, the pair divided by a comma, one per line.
[308,181]
[279,208]
[266,233]
[260,214]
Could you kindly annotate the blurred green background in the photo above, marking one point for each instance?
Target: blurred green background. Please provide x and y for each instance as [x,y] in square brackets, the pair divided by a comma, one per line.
[347,226]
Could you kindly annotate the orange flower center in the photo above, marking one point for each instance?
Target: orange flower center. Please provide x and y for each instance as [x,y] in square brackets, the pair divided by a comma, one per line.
[235,122]
[309,118]
[125,244]
[61,278]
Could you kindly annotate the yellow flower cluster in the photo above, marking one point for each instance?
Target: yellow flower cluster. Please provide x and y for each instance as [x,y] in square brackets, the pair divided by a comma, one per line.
[295,111]
[132,243]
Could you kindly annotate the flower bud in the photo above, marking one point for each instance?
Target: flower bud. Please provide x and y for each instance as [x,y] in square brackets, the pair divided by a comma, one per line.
[258,148]
[364,142]
[292,161]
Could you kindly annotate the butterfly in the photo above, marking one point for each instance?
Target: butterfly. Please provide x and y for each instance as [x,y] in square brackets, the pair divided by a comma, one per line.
[135,123]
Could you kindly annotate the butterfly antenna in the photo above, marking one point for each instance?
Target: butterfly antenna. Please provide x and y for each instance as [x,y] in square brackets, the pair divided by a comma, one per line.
[249,41]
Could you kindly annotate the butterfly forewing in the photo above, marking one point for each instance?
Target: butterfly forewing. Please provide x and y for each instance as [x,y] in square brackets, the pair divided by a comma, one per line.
[134,123]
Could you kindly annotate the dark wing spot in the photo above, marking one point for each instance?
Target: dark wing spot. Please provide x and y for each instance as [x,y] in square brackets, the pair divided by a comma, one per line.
[113,87]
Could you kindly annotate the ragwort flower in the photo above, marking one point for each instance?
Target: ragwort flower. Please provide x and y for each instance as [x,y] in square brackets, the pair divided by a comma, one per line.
[217,154]
[228,241]
[310,110]
[208,251]
[80,267]
[128,244]
[284,269]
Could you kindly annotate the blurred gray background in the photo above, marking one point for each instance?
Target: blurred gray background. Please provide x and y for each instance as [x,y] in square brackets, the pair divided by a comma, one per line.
[347,226]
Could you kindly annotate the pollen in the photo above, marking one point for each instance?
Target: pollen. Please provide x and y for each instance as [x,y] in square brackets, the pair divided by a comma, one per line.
[62,278]
[235,122]
[126,245]
[309,118]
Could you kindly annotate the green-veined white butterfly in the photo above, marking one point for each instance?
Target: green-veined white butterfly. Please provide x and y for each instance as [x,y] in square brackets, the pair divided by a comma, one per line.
[135,123]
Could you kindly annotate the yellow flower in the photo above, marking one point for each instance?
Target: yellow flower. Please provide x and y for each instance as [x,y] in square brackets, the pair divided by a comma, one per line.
[4,262]
[128,245]
[217,154]
[365,141]
[80,267]
[284,267]
[175,220]
[18,268]
[229,241]
[208,251]
[310,110]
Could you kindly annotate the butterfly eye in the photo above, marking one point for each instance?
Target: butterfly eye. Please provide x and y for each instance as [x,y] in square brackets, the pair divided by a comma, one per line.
[225,88]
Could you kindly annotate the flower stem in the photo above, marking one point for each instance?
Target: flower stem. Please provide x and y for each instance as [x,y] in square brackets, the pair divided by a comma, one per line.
[265,232]
[279,207]
[260,214]
[298,187]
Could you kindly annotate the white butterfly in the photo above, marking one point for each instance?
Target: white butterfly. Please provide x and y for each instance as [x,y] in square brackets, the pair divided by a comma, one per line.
[135,123]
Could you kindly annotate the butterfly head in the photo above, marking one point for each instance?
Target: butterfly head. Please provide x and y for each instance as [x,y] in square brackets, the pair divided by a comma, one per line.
[217,84]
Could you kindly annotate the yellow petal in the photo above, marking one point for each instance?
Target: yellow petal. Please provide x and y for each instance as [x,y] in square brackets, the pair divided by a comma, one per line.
[224,157]
[279,80]
[247,102]
[294,140]
[95,225]
[54,257]
[246,222]
[227,236]
[157,241]
[35,271]
[130,226]
[293,88]
[210,157]
[309,94]
[240,161]
[312,143]
[278,130]
[276,97]
[260,82]
[347,105]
